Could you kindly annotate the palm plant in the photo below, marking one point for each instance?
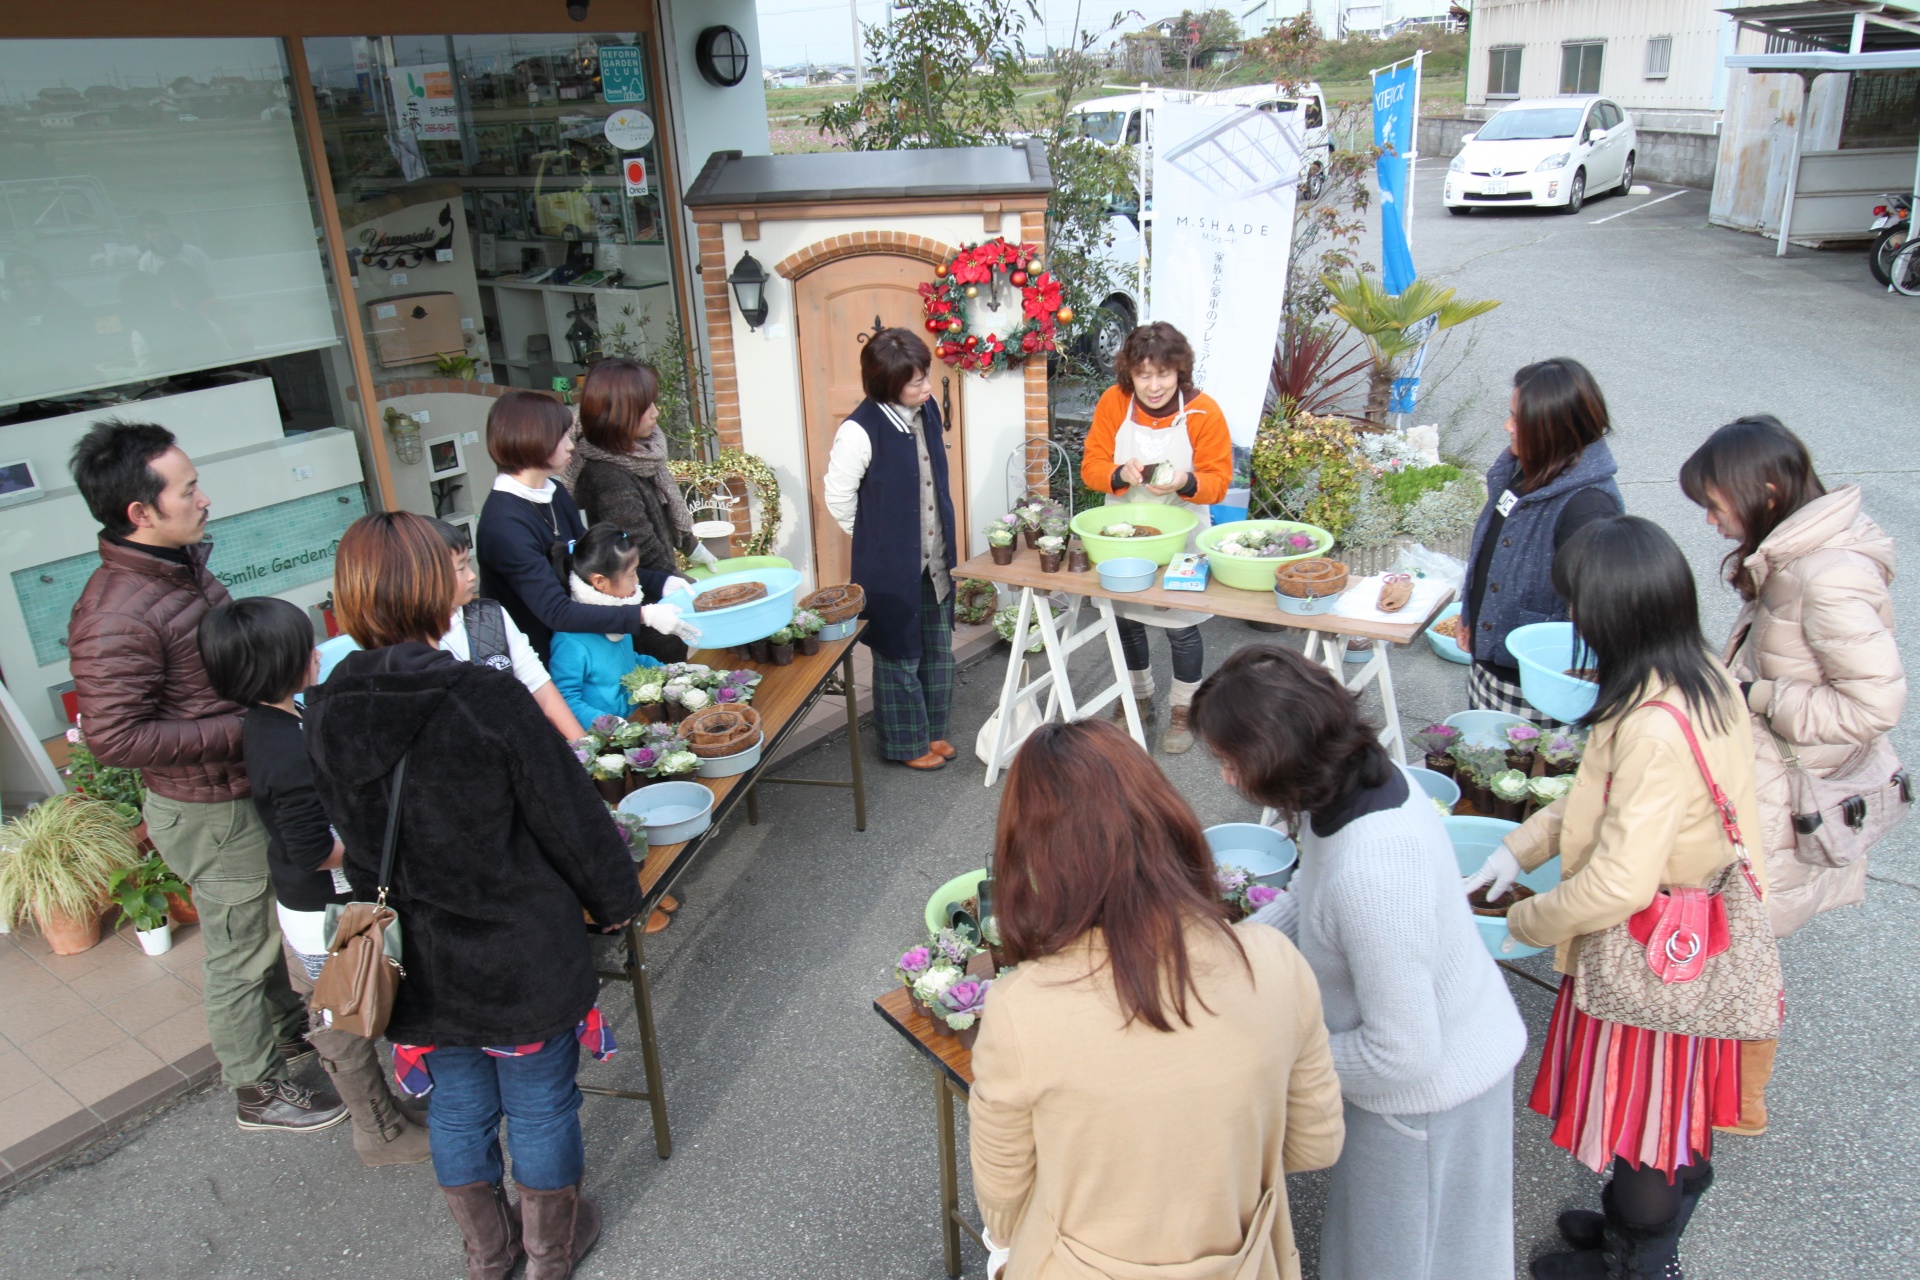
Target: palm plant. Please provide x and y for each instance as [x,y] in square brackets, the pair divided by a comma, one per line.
[1395,325]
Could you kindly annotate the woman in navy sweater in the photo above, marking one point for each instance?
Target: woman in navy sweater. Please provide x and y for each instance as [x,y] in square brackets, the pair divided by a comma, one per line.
[529,522]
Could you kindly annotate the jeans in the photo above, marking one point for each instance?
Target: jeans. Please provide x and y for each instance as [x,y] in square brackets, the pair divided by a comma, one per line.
[537,1093]
[1189,656]
[221,850]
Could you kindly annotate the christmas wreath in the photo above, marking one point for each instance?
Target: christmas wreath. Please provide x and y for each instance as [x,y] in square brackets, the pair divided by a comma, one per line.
[991,267]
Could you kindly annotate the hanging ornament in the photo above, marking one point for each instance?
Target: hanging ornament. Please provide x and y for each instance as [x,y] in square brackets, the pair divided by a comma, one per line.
[973,291]
[954,326]
[1033,265]
[1064,315]
[971,342]
[935,326]
[1016,277]
[940,272]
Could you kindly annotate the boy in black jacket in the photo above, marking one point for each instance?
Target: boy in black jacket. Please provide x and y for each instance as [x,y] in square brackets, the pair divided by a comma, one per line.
[259,653]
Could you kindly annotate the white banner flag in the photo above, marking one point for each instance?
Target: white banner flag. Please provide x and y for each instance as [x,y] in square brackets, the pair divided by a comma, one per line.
[1224,183]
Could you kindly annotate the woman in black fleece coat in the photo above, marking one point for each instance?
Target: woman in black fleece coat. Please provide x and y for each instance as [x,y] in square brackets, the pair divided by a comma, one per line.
[502,842]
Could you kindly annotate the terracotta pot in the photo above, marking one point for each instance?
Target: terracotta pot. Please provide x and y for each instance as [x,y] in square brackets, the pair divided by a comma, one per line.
[1442,764]
[141,841]
[968,1036]
[1050,561]
[1002,555]
[782,654]
[807,646]
[1077,560]
[66,936]
[180,908]
[611,789]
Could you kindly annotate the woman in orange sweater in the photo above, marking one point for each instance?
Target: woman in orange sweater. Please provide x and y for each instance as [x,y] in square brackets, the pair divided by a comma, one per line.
[1155,415]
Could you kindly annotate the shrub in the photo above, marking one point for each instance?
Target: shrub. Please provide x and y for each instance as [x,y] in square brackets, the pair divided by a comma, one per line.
[1304,469]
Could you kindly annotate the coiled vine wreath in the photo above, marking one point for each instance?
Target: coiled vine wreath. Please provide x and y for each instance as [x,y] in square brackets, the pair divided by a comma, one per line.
[991,267]
[731,465]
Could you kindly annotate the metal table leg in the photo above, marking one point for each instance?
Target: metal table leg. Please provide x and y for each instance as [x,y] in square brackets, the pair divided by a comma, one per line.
[949,1173]
[852,692]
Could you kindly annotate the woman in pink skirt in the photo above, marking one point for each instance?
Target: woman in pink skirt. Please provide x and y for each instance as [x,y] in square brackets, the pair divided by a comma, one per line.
[1639,818]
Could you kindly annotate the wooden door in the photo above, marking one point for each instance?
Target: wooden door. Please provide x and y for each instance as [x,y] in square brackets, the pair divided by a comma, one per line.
[834,310]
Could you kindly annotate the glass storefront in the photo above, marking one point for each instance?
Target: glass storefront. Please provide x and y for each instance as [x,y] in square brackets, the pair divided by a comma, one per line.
[515,179]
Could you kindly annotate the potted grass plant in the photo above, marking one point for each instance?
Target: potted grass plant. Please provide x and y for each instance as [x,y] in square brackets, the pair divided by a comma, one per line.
[56,868]
[141,892]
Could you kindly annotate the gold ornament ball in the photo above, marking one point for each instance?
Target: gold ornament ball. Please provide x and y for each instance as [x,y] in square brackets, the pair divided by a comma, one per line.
[940,271]
[1034,265]
[1066,315]
[973,291]
[954,326]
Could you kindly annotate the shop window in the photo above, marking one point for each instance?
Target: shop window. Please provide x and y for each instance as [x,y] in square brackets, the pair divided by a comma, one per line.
[1883,110]
[1503,73]
[1580,67]
[158,232]
[500,198]
[1659,57]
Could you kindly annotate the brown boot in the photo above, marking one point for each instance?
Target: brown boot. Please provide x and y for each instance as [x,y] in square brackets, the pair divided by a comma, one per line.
[489,1228]
[1178,739]
[1756,1068]
[382,1134]
[560,1228]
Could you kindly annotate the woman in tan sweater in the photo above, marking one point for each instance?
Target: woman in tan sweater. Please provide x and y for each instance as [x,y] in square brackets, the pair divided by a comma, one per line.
[1639,818]
[1148,1075]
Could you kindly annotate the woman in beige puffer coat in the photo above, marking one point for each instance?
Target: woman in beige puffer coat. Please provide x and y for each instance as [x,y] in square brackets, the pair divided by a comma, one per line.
[1813,649]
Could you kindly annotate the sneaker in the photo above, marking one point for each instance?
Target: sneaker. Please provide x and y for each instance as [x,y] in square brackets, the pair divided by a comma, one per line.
[282,1104]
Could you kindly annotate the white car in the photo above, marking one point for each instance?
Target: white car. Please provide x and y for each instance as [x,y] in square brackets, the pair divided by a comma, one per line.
[1544,153]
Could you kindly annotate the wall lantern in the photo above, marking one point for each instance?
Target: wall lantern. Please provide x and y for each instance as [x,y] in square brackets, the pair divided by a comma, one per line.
[721,55]
[749,281]
[583,341]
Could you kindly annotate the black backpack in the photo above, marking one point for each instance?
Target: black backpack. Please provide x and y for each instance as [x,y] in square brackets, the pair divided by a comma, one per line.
[487,634]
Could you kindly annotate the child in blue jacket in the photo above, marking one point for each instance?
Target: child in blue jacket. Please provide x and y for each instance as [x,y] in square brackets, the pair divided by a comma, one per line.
[586,667]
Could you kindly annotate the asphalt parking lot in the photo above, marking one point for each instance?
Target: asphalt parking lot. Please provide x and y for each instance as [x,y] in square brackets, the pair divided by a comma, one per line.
[804,1128]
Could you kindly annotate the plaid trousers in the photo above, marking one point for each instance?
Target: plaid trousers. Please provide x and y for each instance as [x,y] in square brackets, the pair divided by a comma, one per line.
[1488,690]
[912,699]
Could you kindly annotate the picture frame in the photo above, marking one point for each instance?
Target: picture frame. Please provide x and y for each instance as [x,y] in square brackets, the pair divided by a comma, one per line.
[465,520]
[445,458]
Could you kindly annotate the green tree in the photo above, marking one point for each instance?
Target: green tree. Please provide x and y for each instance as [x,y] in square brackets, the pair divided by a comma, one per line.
[1395,325]
[924,91]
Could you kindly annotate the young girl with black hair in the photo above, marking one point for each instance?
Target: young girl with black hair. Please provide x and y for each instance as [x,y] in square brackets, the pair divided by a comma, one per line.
[603,570]
[1641,819]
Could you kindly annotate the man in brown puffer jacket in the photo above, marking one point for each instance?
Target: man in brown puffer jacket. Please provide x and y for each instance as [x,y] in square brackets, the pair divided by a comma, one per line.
[145,704]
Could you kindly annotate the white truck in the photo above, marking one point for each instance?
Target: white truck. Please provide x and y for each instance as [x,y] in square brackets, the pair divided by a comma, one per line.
[1126,120]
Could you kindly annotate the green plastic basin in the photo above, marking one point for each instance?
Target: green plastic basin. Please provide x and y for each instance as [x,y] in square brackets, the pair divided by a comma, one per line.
[954,890]
[1255,573]
[738,564]
[1174,524]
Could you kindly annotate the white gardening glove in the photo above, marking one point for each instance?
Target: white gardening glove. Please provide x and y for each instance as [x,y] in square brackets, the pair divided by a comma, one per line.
[997,1254]
[703,556]
[665,618]
[1497,873]
[677,583]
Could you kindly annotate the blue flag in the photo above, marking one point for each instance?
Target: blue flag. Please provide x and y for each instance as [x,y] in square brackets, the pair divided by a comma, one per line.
[1394,104]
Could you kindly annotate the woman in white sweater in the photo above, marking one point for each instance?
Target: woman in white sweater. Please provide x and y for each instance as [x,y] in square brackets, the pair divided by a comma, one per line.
[1423,1031]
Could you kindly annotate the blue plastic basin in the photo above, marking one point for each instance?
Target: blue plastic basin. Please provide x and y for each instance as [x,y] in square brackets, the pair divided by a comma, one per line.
[1446,646]
[1267,855]
[1545,651]
[1129,573]
[1484,728]
[1475,838]
[741,624]
[673,811]
[839,630]
[1437,785]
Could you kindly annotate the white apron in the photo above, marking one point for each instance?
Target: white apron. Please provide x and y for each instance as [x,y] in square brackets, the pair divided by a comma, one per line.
[1150,447]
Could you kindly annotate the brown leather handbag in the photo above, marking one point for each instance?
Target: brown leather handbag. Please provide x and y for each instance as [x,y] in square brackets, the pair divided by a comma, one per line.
[355,989]
[1693,962]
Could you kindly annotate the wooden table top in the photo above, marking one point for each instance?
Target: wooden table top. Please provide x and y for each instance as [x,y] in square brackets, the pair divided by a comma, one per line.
[1226,602]
[782,694]
[944,1051]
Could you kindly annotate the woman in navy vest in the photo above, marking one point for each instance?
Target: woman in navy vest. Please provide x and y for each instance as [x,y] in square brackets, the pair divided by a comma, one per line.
[886,484]
[1554,477]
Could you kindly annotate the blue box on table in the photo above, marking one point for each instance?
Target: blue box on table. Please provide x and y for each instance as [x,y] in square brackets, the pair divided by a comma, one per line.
[1187,572]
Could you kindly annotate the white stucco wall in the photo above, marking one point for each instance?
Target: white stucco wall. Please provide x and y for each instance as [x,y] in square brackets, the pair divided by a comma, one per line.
[768,363]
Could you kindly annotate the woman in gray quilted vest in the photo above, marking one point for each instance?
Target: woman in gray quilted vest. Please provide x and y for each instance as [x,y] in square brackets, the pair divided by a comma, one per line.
[1814,652]
[1554,477]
